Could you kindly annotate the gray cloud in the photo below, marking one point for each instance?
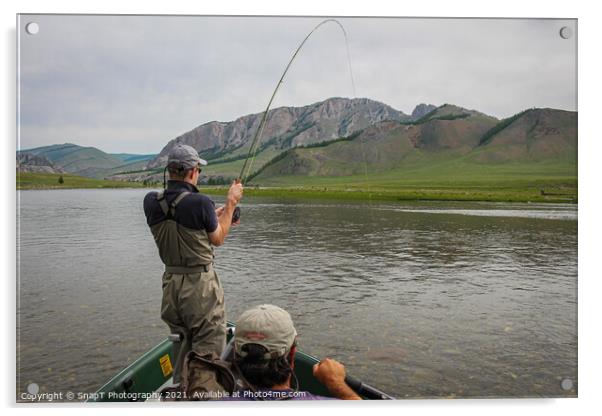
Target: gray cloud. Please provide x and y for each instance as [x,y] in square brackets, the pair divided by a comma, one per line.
[131,83]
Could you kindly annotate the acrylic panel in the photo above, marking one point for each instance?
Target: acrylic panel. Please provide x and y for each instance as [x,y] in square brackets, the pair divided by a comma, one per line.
[410,197]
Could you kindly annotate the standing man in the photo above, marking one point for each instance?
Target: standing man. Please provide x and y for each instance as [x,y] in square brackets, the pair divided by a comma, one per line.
[186,226]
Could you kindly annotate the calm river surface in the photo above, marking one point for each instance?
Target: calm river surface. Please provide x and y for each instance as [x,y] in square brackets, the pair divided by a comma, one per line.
[418,299]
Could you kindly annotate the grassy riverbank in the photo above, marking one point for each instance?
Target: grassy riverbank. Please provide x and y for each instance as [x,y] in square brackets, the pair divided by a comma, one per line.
[550,182]
[492,189]
[552,194]
[51,181]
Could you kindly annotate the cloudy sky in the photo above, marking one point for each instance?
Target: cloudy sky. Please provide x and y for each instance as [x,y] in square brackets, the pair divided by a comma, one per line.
[131,84]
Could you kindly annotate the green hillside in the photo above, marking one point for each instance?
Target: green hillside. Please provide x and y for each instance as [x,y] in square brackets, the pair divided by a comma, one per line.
[421,168]
[437,179]
[89,161]
[131,157]
[533,135]
[84,161]
[532,157]
[133,166]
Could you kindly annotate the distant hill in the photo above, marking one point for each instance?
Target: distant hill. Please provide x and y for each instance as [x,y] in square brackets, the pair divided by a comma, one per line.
[533,135]
[87,161]
[84,161]
[447,135]
[130,157]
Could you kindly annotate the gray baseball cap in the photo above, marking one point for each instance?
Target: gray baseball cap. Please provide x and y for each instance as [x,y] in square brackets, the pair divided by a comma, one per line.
[268,326]
[184,157]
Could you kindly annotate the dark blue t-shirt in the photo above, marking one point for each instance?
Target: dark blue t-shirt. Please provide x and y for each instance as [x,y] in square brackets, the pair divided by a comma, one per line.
[272,395]
[196,211]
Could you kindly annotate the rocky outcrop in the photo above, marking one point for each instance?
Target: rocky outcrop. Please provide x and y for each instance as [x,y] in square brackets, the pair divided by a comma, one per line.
[286,127]
[421,110]
[29,162]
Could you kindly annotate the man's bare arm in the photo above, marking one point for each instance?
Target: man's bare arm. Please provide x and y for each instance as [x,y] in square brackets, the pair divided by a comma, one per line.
[224,219]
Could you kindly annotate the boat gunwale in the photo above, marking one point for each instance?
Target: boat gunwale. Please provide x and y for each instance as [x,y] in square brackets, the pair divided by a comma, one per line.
[303,360]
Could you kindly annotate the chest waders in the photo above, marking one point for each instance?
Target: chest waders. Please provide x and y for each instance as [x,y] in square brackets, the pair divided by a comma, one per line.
[182,249]
[193,298]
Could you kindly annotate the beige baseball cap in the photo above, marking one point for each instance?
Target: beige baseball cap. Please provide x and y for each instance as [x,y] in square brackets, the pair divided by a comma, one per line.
[268,326]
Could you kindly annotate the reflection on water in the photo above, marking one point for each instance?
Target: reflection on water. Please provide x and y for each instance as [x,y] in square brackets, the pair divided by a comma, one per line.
[413,298]
[560,214]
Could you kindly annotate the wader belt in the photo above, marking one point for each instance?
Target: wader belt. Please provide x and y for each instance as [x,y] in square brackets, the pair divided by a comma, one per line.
[204,268]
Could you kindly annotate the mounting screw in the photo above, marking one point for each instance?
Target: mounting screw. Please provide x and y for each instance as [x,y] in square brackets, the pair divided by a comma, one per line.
[566,32]
[32,28]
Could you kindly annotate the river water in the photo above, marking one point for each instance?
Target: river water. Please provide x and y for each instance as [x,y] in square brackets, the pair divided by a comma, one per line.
[419,299]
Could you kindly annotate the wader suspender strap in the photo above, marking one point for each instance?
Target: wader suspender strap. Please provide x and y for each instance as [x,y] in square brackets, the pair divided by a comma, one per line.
[171,209]
[176,201]
[162,202]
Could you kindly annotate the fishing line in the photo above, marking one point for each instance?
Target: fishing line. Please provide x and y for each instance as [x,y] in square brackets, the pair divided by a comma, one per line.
[246,167]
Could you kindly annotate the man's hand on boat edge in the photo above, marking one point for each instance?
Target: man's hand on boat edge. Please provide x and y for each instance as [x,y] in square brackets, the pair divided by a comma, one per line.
[331,373]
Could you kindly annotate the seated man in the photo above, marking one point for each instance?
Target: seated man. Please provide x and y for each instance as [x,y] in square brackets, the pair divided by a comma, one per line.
[264,348]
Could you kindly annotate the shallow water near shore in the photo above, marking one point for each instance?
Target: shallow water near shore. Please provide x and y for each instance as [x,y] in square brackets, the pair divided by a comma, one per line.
[438,299]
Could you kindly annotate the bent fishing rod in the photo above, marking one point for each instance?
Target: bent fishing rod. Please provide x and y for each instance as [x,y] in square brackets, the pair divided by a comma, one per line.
[246,167]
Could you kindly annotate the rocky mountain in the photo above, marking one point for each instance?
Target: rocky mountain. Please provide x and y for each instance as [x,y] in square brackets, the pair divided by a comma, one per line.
[445,135]
[286,127]
[339,137]
[29,162]
[421,110]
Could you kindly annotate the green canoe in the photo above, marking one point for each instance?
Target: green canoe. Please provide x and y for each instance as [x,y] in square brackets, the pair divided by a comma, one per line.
[146,376]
